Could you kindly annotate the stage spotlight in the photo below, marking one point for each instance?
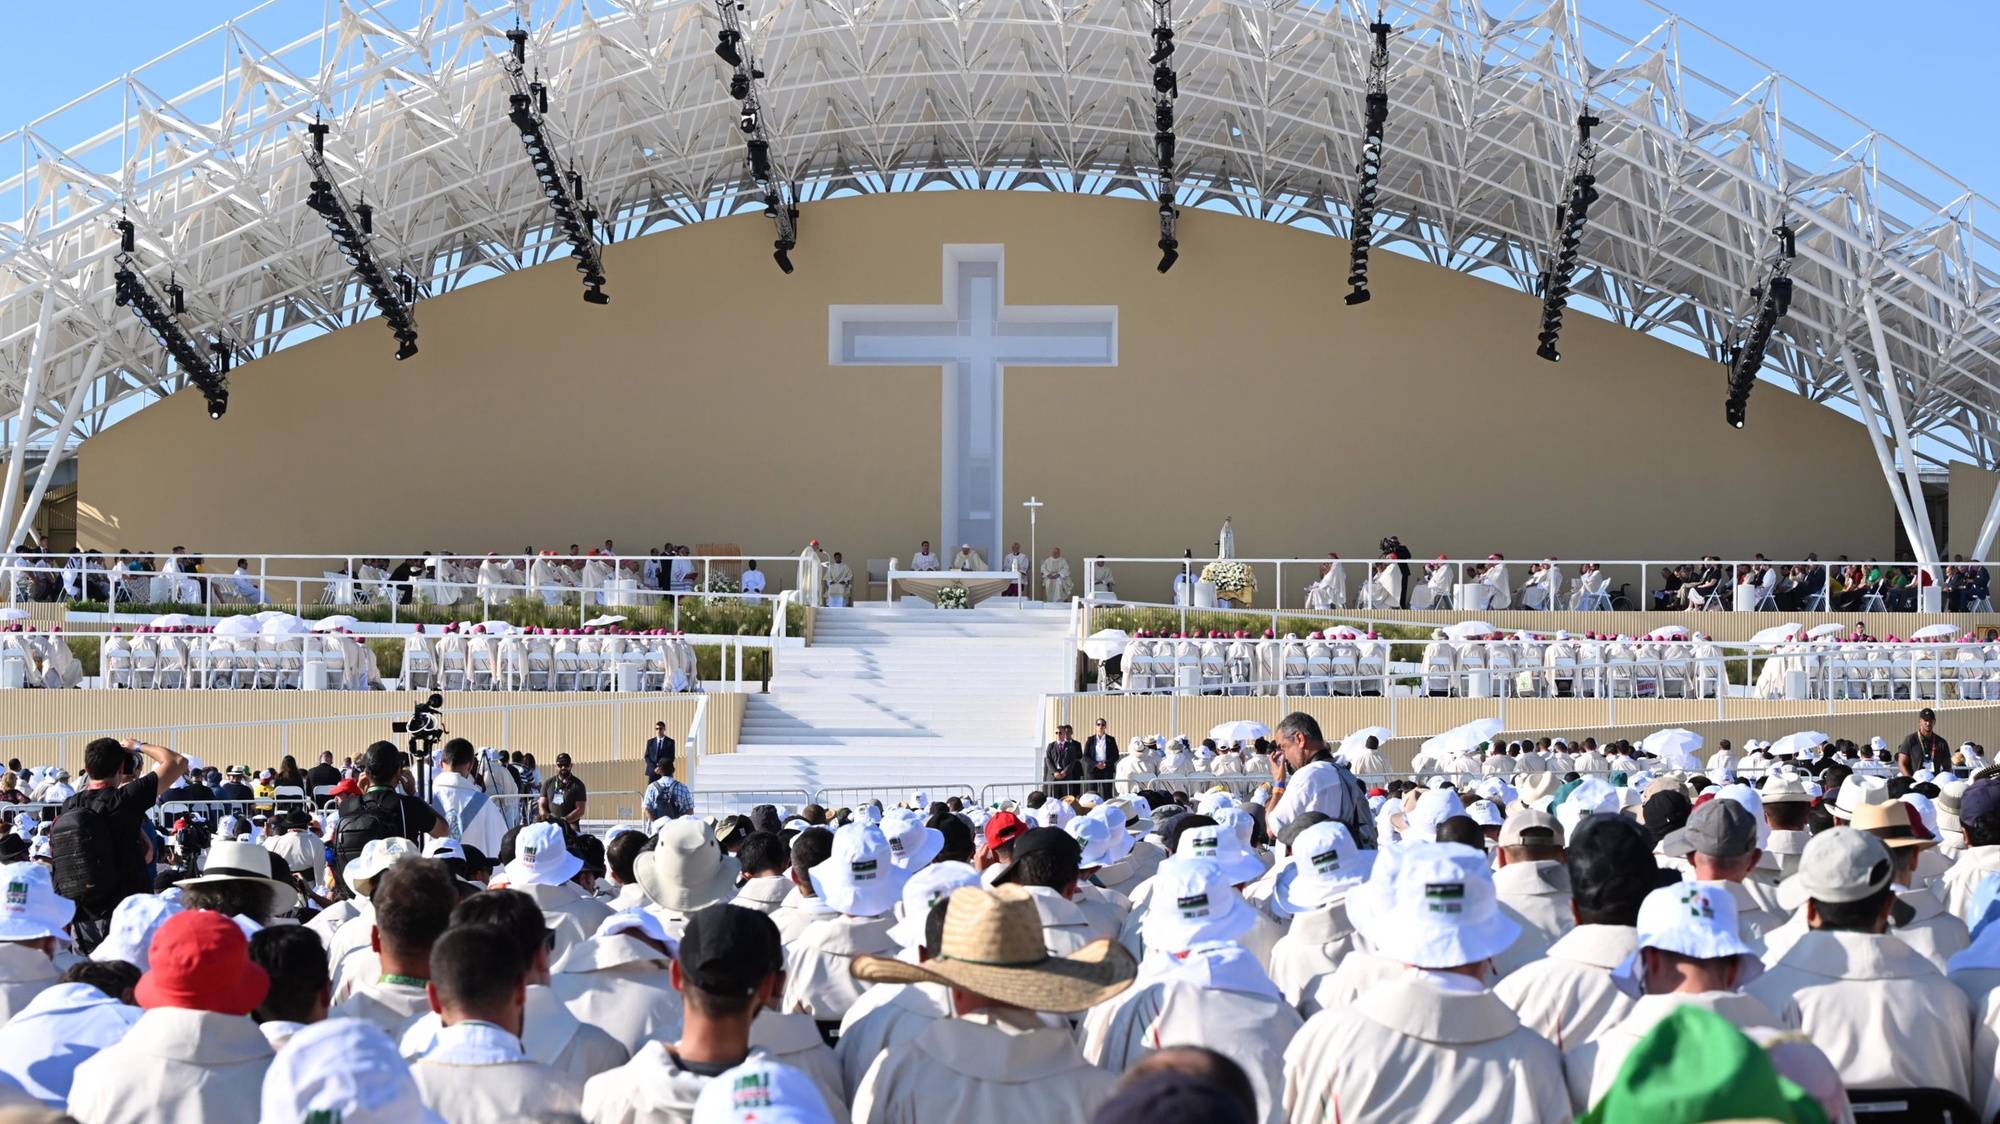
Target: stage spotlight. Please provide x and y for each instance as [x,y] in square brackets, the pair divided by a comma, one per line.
[1163,45]
[1166,87]
[160,313]
[1368,170]
[725,46]
[779,197]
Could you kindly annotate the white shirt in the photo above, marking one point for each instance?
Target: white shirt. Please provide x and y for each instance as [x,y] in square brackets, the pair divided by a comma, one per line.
[753,581]
[924,561]
[451,793]
[1315,788]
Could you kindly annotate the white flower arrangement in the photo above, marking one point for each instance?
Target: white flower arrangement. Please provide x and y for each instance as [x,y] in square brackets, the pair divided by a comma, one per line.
[954,596]
[719,582]
[1230,578]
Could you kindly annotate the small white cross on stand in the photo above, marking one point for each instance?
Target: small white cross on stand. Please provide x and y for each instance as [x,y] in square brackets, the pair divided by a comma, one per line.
[974,335]
[1034,507]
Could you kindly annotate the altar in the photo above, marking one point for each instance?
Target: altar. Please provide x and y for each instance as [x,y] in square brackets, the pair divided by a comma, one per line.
[979,585]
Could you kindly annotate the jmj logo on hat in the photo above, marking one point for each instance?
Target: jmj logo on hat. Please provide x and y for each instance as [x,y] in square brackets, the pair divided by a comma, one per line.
[17,894]
[1445,897]
[1195,905]
[1205,847]
[864,870]
[1326,862]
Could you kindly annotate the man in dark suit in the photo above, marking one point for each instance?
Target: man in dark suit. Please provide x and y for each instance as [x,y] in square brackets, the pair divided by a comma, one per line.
[1100,759]
[659,748]
[1064,758]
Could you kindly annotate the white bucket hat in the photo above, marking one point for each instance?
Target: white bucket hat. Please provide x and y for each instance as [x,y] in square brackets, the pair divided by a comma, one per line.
[244,862]
[345,1070]
[1433,808]
[30,908]
[1221,844]
[645,922]
[1589,797]
[1095,837]
[1193,901]
[1215,800]
[1052,813]
[1432,905]
[1122,841]
[1856,791]
[925,889]
[377,855]
[1485,813]
[1238,820]
[1696,919]
[1497,790]
[133,924]
[858,878]
[912,846]
[541,858]
[1324,865]
[762,1090]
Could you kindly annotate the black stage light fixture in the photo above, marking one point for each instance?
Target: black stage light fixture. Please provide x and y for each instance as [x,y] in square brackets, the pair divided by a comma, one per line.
[528,108]
[1368,172]
[1166,87]
[734,48]
[1772,299]
[160,312]
[351,231]
[1571,217]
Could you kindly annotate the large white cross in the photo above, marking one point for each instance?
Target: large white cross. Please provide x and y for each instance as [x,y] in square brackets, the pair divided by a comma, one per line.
[974,335]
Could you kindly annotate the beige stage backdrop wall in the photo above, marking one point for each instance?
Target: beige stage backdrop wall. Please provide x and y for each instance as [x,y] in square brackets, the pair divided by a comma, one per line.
[1971,489]
[605,734]
[700,407]
[1417,719]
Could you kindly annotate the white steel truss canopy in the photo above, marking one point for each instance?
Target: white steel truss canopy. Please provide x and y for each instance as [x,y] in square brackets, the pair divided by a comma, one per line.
[864,96]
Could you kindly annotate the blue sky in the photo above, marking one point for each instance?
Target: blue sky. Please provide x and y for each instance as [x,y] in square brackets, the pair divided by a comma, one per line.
[1919,72]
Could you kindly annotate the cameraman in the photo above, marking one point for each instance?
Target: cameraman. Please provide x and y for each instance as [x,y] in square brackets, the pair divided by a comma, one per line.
[98,845]
[381,811]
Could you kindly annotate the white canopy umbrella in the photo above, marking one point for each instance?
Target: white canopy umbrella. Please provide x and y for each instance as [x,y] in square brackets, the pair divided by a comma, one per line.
[1466,630]
[1675,747]
[1797,744]
[334,623]
[1935,632]
[1358,740]
[1242,730]
[604,621]
[502,628]
[1820,631]
[1668,632]
[1105,643]
[1460,739]
[286,625]
[164,620]
[269,615]
[1776,634]
[237,626]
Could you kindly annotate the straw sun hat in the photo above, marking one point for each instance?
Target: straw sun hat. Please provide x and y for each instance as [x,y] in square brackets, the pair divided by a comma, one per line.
[993,947]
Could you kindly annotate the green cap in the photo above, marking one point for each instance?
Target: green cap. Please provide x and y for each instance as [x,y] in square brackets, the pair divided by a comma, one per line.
[1694,1065]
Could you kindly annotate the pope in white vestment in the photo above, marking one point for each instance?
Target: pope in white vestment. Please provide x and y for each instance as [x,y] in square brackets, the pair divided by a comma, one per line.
[968,561]
[1055,576]
[1330,591]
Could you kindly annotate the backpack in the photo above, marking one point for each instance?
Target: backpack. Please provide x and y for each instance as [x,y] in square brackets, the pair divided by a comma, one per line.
[1354,801]
[364,820]
[84,853]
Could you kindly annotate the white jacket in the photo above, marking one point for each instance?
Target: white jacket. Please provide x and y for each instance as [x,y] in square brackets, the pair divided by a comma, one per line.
[24,974]
[817,980]
[794,1040]
[991,1065]
[1410,1050]
[886,1015]
[1592,1066]
[477,1073]
[550,1036]
[620,985]
[1569,995]
[1538,892]
[176,1066]
[1313,946]
[1877,1008]
[652,1088]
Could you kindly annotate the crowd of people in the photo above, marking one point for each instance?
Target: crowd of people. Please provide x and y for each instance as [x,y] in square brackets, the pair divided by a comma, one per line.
[1535,933]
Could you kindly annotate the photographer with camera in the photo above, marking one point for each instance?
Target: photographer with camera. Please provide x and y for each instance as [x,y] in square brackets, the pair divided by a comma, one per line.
[424,729]
[98,845]
[381,810]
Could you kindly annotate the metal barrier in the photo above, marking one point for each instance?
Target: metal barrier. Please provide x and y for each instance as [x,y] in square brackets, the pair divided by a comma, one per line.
[853,796]
[1018,790]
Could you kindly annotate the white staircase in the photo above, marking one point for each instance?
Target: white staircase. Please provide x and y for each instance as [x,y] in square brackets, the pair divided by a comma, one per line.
[899,699]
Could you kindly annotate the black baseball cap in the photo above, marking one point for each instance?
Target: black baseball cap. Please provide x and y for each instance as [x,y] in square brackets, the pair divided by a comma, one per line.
[1037,840]
[729,951]
[1611,864]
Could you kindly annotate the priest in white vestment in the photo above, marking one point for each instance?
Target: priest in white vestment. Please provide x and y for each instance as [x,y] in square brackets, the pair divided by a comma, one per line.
[1495,578]
[967,560]
[1015,562]
[1101,580]
[1435,587]
[1330,591]
[1544,582]
[924,560]
[1055,576]
[812,576]
[838,580]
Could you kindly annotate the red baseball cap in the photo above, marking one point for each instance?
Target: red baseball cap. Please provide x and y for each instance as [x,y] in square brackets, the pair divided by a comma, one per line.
[346,787]
[1002,830]
[200,960]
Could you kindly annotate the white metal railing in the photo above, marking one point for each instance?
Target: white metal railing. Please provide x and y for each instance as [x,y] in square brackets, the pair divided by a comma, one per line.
[1546,665]
[591,583]
[518,661]
[1739,587]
